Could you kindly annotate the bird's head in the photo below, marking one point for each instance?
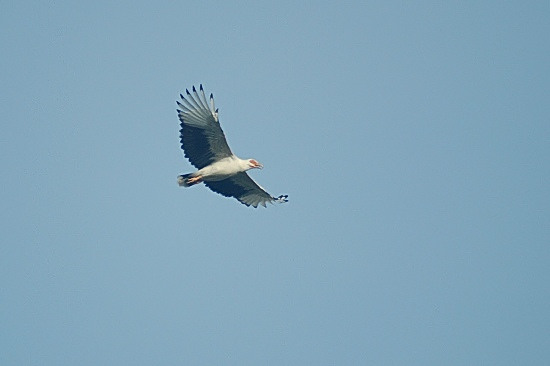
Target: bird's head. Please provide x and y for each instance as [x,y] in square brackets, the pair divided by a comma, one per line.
[254,164]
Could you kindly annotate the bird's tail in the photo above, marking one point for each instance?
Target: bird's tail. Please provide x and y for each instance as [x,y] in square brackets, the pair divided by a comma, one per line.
[184,180]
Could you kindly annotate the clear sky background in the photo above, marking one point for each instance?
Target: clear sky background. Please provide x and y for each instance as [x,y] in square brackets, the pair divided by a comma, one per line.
[413,139]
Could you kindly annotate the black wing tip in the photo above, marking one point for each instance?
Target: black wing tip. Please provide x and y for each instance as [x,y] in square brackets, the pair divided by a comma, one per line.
[200,87]
[282,198]
[194,90]
[211,96]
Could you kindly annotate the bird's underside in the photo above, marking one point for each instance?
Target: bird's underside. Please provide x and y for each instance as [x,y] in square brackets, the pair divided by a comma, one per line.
[204,144]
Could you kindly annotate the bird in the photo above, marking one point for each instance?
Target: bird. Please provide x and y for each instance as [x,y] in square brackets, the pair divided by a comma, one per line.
[205,146]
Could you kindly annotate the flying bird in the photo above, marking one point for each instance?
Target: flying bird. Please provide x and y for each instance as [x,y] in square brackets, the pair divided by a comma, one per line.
[204,144]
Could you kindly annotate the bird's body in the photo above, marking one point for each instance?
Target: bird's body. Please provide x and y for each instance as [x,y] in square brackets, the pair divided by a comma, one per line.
[218,170]
[204,144]
[223,168]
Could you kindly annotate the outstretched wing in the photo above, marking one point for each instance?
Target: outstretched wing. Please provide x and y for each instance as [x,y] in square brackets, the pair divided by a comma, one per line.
[201,136]
[244,189]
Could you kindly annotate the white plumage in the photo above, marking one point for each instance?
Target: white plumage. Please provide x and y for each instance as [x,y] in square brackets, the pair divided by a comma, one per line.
[204,144]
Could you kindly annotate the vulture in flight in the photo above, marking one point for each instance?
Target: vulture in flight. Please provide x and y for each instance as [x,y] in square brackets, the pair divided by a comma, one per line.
[204,144]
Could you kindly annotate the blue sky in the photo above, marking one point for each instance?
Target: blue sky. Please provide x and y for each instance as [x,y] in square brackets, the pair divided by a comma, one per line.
[412,138]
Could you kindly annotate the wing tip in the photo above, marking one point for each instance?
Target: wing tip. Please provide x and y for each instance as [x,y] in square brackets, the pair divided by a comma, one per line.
[281,199]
